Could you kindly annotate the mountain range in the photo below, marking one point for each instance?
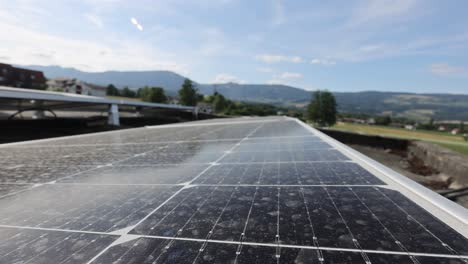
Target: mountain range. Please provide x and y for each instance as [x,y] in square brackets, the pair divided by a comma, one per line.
[412,105]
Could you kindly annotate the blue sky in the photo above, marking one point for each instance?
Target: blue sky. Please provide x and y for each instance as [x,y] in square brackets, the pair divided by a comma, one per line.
[353,45]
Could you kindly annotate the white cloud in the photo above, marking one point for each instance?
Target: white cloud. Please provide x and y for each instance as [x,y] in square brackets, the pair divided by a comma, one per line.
[290,75]
[444,69]
[30,46]
[283,78]
[381,10]
[323,62]
[278,12]
[94,19]
[227,78]
[265,70]
[136,24]
[275,81]
[271,58]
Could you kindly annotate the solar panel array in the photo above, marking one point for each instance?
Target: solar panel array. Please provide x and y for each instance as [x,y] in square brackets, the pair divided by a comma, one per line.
[230,191]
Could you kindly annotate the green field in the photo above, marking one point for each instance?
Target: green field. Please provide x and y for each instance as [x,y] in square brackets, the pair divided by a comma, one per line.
[453,142]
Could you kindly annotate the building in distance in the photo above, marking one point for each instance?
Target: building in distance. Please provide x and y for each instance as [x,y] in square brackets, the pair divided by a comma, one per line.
[72,85]
[21,78]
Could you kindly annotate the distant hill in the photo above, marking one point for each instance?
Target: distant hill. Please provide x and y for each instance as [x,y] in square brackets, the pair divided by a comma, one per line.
[267,93]
[134,79]
[171,82]
[417,106]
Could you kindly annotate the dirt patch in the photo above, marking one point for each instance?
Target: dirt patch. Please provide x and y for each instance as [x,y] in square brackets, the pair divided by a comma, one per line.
[411,167]
[417,165]
[431,165]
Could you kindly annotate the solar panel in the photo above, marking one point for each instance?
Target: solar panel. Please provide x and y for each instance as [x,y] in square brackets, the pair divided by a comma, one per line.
[245,190]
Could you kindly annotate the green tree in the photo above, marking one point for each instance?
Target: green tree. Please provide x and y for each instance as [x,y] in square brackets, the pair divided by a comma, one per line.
[153,94]
[383,120]
[188,94]
[127,92]
[322,108]
[462,126]
[220,103]
[112,90]
[314,108]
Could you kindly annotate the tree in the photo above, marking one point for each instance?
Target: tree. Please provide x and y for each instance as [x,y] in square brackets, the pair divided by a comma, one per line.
[188,94]
[314,108]
[112,90]
[383,120]
[153,94]
[127,92]
[219,103]
[322,108]
[462,126]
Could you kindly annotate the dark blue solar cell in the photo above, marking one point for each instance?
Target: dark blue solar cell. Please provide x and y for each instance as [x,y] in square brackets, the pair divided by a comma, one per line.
[39,246]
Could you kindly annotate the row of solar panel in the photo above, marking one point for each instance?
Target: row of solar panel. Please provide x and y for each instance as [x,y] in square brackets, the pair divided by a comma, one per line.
[377,219]
[45,247]
[93,195]
[170,155]
[147,250]
[183,133]
[322,173]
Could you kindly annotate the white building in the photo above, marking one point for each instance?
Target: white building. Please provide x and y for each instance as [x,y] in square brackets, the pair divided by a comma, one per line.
[455,131]
[72,85]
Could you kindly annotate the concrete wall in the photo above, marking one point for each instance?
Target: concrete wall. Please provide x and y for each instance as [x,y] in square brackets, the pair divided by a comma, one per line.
[366,140]
[444,160]
[448,162]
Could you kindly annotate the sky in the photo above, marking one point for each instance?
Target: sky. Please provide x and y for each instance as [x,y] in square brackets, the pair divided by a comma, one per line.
[354,45]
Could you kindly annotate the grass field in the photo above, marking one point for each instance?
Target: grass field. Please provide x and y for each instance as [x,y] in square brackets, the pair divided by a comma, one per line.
[453,142]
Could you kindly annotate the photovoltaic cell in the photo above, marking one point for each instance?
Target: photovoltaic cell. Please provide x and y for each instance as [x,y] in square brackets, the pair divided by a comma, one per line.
[82,207]
[339,217]
[6,189]
[257,190]
[149,250]
[37,246]
[38,174]
[143,174]
[172,158]
[284,156]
